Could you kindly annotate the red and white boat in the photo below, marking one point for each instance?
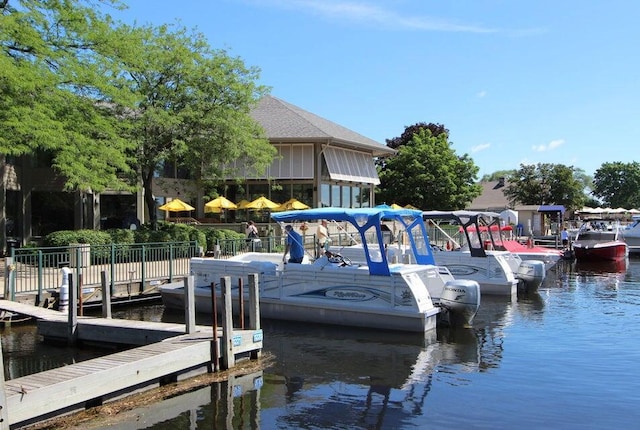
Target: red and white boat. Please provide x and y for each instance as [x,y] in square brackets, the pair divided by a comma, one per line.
[599,240]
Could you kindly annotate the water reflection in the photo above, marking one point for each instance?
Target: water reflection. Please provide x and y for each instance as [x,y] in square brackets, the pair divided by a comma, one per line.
[329,377]
[339,378]
[24,353]
[334,377]
[579,324]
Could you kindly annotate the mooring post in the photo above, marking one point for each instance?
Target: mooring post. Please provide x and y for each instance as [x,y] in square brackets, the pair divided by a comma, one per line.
[241,303]
[80,302]
[254,310]
[228,358]
[254,303]
[106,295]
[215,352]
[189,305]
[72,332]
[9,269]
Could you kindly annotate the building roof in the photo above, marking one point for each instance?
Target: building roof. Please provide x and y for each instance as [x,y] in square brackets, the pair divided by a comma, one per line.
[492,197]
[286,122]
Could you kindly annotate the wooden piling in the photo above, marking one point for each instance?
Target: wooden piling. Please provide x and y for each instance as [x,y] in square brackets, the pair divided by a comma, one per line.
[72,330]
[254,309]
[215,352]
[241,303]
[106,295]
[228,358]
[189,305]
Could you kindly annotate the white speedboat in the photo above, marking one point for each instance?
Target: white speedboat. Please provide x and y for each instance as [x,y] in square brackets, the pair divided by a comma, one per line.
[631,235]
[372,294]
[478,256]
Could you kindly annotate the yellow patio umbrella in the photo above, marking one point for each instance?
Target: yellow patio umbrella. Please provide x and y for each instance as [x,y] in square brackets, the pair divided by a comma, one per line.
[242,204]
[396,206]
[216,205]
[292,204]
[176,205]
[411,207]
[261,203]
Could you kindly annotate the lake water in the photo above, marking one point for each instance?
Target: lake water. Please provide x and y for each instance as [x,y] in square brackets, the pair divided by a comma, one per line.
[566,357]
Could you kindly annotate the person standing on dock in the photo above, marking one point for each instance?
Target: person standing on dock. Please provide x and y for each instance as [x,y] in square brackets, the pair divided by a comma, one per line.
[564,236]
[322,237]
[293,246]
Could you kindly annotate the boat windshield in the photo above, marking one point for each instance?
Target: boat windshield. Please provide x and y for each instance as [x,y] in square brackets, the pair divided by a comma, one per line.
[421,242]
[371,235]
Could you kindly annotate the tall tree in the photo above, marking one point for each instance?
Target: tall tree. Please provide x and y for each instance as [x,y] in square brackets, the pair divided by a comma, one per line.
[427,173]
[407,134]
[546,184]
[194,107]
[617,184]
[56,92]
[497,175]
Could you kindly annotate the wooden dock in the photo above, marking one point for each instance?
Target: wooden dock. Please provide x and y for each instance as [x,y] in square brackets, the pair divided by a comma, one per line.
[168,353]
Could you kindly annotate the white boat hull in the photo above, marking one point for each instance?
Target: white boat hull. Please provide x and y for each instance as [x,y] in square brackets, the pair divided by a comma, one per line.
[327,293]
[493,273]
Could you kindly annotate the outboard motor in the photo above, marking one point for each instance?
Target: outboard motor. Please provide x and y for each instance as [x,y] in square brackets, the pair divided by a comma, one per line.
[461,298]
[531,274]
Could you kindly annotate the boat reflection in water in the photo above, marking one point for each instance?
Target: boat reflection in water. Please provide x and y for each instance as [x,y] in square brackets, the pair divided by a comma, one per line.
[330,376]
[326,376]
[595,267]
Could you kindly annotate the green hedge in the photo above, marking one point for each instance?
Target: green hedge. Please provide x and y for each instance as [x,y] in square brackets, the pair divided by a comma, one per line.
[166,232]
[66,237]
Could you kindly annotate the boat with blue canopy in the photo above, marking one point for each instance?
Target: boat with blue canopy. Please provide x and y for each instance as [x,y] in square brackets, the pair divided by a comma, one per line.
[372,293]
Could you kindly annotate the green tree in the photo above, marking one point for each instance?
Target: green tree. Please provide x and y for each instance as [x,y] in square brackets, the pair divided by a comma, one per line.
[617,184]
[407,134]
[546,184]
[57,94]
[497,175]
[194,107]
[427,173]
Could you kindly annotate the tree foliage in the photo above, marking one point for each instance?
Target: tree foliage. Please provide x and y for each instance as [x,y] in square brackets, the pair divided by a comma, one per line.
[407,134]
[110,102]
[194,106]
[497,175]
[56,92]
[546,184]
[426,172]
[617,184]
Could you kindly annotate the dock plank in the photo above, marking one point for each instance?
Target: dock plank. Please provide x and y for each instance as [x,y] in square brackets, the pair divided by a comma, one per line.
[167,351]
[56,389]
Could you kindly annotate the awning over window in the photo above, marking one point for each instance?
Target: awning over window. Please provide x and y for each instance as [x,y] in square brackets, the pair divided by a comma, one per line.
[551,208]
[346,165]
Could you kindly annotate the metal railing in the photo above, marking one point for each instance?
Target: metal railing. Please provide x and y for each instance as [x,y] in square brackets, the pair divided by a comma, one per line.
[36,270]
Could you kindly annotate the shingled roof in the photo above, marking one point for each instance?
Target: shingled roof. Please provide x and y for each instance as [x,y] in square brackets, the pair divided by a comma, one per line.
[492,197]
[286,122]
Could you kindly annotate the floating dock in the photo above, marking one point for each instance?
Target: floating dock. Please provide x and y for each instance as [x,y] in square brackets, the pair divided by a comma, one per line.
[163,353]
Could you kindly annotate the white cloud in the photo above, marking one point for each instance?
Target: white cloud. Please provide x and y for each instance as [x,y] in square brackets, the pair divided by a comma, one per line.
[549,146]
[480,147]
[368,12]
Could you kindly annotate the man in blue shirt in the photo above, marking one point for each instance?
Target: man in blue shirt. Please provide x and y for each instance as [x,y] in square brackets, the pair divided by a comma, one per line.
[293,247]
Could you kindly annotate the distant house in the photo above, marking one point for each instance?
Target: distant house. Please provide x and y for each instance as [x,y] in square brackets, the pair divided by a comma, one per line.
[536,220]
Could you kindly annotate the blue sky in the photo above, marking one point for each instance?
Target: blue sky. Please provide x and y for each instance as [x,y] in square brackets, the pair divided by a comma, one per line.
[535,81]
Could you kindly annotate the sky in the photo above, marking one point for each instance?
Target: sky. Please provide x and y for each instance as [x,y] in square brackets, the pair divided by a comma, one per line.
[514,82]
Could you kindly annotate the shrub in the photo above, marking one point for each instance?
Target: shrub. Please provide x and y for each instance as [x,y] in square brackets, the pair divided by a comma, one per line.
[67,237]
[121,235]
